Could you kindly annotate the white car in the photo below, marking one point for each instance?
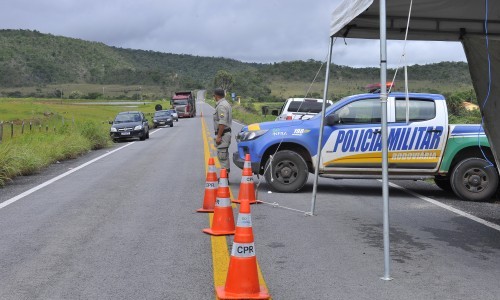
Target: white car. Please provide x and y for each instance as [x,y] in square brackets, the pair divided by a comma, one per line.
[301,108]
[174,114]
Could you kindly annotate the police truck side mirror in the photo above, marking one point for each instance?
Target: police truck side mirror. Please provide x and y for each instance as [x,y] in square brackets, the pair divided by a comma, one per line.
[274,112]
[332,119]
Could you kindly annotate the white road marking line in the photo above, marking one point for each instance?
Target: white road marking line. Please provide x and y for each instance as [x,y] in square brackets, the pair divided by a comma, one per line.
[447,207]
[46,183]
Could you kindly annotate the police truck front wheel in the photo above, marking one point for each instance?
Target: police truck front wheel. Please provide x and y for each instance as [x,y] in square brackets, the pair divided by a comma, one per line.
[287,172]
[474,179]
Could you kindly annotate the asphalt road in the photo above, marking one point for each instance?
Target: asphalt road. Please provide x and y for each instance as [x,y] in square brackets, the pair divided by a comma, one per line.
[124,227]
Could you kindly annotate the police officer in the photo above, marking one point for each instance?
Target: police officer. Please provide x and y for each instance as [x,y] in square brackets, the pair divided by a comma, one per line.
[223,117]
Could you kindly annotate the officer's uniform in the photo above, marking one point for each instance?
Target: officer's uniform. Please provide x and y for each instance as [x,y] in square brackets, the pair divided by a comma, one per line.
[223,115]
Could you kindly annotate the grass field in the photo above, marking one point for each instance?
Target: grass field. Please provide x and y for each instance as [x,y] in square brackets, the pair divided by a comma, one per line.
[108,91]
[60,130]
[341,88]
[337,88]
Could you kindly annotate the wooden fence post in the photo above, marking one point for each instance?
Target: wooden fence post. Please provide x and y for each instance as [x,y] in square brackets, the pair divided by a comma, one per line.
[11,129]
[22,128]
[1,131]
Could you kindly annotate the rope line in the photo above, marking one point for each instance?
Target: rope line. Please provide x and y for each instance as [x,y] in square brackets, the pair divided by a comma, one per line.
[281,141]
[276,204]
[403,55]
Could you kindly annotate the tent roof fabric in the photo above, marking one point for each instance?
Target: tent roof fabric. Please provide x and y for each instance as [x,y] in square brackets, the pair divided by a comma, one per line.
[438,20]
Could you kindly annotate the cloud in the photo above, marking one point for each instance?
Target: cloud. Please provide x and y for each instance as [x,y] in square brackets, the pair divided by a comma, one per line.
[252,31]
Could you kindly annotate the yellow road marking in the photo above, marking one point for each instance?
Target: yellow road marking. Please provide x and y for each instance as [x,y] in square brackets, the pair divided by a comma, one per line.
[220,252]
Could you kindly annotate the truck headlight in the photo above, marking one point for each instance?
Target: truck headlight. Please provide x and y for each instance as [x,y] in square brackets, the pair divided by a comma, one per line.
[138,127]
[251,135]
[154,120]
[113,129]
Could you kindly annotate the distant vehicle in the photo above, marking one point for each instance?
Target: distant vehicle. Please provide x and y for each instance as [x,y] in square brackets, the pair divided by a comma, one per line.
[300,109]
[129,124]
[184,104]
[163,117]
[174,114]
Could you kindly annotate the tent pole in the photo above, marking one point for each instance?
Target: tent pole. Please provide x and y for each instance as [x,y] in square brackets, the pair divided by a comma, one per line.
[383,101]
[320,139]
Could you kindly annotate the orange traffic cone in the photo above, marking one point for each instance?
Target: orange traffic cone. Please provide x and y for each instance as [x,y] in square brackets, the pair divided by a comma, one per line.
[223,220]
[242,280]
[247,187]
[211,185]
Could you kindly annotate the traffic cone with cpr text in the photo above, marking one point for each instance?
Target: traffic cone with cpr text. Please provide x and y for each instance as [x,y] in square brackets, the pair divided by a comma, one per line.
[247,187]
[211,185]
[242,281]
[223,219]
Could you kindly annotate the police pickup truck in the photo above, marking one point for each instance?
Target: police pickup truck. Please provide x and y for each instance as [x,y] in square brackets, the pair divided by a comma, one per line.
[420,141]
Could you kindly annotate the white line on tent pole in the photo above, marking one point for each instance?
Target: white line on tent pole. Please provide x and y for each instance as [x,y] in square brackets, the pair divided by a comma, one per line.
[383,101]
[320,139]
[407,95]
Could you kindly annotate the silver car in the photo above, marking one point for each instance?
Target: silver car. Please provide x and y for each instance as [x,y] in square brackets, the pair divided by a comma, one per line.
[174,114]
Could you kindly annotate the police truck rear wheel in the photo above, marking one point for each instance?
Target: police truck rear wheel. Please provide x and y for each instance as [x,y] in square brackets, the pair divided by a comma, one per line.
[474,179]
[288,172]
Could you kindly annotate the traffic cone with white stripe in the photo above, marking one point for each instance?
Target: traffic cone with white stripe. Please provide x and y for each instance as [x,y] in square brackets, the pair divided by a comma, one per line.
[247,187]
[223,219]
[242,280]
[211,185]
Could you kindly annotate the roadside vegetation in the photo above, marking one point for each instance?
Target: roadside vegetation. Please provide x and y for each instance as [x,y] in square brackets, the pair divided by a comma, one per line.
[57,132]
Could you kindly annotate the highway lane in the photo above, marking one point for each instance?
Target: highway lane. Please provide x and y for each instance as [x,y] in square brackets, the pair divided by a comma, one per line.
[124,227]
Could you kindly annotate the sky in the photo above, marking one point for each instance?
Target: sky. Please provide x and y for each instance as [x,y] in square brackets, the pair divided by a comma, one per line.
[262,31]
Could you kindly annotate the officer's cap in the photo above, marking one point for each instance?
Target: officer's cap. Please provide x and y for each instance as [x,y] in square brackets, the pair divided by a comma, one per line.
[219,92]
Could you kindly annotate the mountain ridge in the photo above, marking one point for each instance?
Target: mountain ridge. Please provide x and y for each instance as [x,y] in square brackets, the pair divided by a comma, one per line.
[30,58]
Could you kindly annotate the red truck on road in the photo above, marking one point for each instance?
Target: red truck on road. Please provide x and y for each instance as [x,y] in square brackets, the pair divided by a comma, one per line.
[184,104]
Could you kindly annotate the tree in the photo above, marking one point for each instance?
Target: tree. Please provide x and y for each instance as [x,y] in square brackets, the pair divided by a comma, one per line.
[224,80]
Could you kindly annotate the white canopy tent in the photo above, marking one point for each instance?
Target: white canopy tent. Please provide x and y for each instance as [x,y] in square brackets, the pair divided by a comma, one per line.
[475,23]
[439,20]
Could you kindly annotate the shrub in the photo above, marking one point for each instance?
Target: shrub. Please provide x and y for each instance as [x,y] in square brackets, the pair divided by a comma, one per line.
[96,134]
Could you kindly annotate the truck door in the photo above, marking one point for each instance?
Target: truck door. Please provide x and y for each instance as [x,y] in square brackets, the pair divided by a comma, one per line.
[355,144]
[418,135]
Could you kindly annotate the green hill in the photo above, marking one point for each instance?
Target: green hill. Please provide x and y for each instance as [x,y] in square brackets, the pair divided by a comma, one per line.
[33,59]
[30,58]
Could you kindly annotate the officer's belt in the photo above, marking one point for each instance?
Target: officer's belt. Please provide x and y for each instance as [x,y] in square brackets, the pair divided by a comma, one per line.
[226,130]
